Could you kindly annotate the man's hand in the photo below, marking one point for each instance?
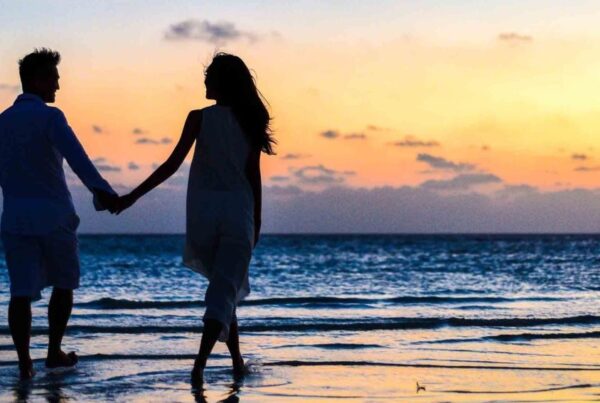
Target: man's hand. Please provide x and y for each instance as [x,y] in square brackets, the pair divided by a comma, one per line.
[107,199]
[124,202]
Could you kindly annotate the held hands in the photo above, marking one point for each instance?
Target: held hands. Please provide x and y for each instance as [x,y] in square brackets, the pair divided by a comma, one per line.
[114,203]
[124,202]
[106,199]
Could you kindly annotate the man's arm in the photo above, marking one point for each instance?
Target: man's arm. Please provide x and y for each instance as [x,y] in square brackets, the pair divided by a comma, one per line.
[64,139]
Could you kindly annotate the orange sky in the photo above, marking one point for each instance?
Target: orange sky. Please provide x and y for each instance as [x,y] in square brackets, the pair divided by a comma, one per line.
[518,105]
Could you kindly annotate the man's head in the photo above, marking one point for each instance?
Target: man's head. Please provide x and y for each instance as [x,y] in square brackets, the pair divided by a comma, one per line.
[39,74]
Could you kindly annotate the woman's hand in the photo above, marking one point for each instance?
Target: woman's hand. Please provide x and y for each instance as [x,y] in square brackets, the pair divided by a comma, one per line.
[125,202]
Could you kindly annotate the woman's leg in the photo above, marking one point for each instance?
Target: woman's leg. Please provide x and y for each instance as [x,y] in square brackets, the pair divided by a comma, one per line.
[210,334]
[233,344]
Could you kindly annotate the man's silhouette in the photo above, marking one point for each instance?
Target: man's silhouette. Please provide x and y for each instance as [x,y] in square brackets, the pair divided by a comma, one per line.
[39,221]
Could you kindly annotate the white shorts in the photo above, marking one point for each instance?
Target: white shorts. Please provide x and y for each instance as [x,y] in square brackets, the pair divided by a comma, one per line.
[38,261]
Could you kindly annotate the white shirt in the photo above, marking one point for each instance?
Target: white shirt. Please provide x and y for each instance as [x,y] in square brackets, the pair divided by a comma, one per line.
[34,138]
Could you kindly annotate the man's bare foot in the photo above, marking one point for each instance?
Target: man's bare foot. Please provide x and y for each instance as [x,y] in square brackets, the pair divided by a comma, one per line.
[197,375]
[26,370]
[61,359]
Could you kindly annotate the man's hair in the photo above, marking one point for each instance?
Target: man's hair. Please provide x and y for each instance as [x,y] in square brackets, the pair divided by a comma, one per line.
[39,63]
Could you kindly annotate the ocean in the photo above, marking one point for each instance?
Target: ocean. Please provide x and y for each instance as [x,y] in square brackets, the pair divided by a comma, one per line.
[333,318]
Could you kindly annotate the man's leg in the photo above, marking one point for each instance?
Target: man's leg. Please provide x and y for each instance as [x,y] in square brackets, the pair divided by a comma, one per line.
[19,321]
[59,312]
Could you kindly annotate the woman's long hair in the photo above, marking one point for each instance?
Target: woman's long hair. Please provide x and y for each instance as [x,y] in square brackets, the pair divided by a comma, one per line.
[235,87]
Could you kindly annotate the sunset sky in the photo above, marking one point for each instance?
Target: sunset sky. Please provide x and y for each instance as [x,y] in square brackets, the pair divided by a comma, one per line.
[441,99]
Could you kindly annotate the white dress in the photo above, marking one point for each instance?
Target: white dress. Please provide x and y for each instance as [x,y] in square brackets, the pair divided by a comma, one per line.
[220,214]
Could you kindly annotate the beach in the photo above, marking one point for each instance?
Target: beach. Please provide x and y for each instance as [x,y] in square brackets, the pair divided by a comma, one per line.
[358,318]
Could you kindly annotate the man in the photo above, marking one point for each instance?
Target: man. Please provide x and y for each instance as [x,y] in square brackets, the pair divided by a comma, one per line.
[38,221]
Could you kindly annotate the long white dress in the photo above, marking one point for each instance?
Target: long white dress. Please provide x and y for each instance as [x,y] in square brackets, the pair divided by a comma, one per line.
[220,214]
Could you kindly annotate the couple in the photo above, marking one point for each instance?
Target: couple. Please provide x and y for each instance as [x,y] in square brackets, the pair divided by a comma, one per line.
[223,213]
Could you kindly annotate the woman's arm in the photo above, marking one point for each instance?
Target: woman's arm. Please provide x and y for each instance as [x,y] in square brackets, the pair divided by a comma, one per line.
[253,176]
[191,128]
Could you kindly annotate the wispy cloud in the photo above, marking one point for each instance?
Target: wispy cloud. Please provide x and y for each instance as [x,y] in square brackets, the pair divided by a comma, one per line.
[294,156]
[587,169]
[514,37]
[150,141]
[410,141]
[579,157]
[375,128]
[104,166]
[461,182]
[138,131]
[132,166]
[330,134]
[97,129]
[320,175]
[444,164]
[279,178]
[218,33]
[355,136]
[334,134]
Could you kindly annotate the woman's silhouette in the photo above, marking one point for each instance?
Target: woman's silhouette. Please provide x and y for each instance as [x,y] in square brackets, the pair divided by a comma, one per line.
[224,196]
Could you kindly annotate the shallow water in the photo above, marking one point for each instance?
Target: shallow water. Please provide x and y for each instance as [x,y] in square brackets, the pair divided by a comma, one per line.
[357,318]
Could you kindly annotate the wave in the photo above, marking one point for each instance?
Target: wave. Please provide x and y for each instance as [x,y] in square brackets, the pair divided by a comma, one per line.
[519,337]
[360,325]
[113,303]
[301,363]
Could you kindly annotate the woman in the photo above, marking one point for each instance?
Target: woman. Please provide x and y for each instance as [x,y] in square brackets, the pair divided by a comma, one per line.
[224,196]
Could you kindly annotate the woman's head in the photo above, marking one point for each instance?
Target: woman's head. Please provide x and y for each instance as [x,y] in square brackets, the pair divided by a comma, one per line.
[229,82]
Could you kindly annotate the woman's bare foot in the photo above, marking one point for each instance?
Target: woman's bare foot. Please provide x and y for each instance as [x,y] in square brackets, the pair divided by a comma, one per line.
[61,359]
[26,370]
[197,375]
[239,368]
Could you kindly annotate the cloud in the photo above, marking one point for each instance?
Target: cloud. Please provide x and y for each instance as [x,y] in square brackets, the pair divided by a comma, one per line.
[108,168]
[103,165]
[580,157]
[516,190]
[279,178]
[147,140]
[355,136]
[137,131]
[320,175]
[294,156]
[284,191]
[444,164]
[97,129]
[10,87]
[289,209]
[132,166]
[376,128]
[334,134]
[587,169]
[219,33]
[330,134]
[461,182]
[410,141]
[514,38]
